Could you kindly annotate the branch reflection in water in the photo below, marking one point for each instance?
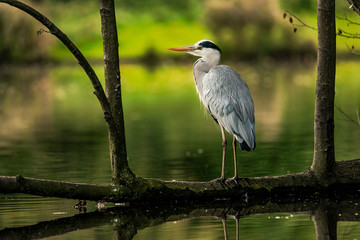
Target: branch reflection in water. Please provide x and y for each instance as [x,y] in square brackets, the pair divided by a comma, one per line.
[127,221]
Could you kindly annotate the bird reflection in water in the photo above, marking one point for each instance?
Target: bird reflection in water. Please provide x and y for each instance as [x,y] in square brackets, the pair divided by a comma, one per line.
[223,219]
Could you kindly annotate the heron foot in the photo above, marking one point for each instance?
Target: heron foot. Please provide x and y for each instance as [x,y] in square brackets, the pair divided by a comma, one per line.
[220,180]
[235,179]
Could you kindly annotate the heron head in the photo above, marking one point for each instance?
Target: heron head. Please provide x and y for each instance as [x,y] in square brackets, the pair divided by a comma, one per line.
[203,48]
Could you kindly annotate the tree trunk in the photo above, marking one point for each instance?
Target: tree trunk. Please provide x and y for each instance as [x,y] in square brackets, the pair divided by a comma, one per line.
[325,218]
[118,156]
[324,156]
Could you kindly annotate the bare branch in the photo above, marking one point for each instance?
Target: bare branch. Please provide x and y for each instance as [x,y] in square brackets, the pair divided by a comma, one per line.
[355,5]
[340,32]
[343,33]
[351,50]
[345,18]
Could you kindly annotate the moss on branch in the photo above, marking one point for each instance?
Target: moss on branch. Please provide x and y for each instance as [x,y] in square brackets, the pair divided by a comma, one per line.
[155,190]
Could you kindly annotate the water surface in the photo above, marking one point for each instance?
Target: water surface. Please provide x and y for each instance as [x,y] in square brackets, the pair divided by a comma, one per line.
[52,127]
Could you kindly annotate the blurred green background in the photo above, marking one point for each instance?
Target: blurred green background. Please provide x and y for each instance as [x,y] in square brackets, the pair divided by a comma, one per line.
[45,96]
[161,106]
[243,29]
[52,126]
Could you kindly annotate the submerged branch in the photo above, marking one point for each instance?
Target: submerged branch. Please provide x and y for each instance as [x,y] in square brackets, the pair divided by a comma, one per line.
[128,220]
[58,226]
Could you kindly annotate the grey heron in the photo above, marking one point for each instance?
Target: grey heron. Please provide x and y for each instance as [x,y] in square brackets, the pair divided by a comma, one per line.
[225,95]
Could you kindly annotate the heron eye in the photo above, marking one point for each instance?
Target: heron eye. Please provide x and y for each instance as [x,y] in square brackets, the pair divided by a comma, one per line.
[199,47]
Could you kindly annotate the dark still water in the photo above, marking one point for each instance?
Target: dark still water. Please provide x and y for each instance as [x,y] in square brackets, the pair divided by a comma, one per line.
[52,128]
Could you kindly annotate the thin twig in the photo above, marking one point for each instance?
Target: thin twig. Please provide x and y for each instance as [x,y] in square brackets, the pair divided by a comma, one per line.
[346,34]
[41,31]
[351,50]
[355,5]
[340,32]
[345,18]
[302,24]
[348,117]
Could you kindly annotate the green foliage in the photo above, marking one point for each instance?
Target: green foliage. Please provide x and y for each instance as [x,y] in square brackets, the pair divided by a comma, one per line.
[161,10]
[253,29]
[299,5]
[142,26]
[158,36]
[146,29]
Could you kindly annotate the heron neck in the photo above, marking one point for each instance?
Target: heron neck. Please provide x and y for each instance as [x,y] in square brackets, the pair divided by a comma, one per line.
[212,61]
[201,67]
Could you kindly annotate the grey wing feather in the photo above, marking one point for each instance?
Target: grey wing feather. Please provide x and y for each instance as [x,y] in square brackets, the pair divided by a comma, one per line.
[228,99]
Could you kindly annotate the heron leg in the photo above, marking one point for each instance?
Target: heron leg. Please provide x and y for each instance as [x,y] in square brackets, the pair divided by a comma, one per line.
[237,226]
[235,161]
[224,144]
[223,219]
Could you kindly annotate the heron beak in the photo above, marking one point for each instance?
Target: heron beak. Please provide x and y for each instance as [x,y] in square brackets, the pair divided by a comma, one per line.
[182,49]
